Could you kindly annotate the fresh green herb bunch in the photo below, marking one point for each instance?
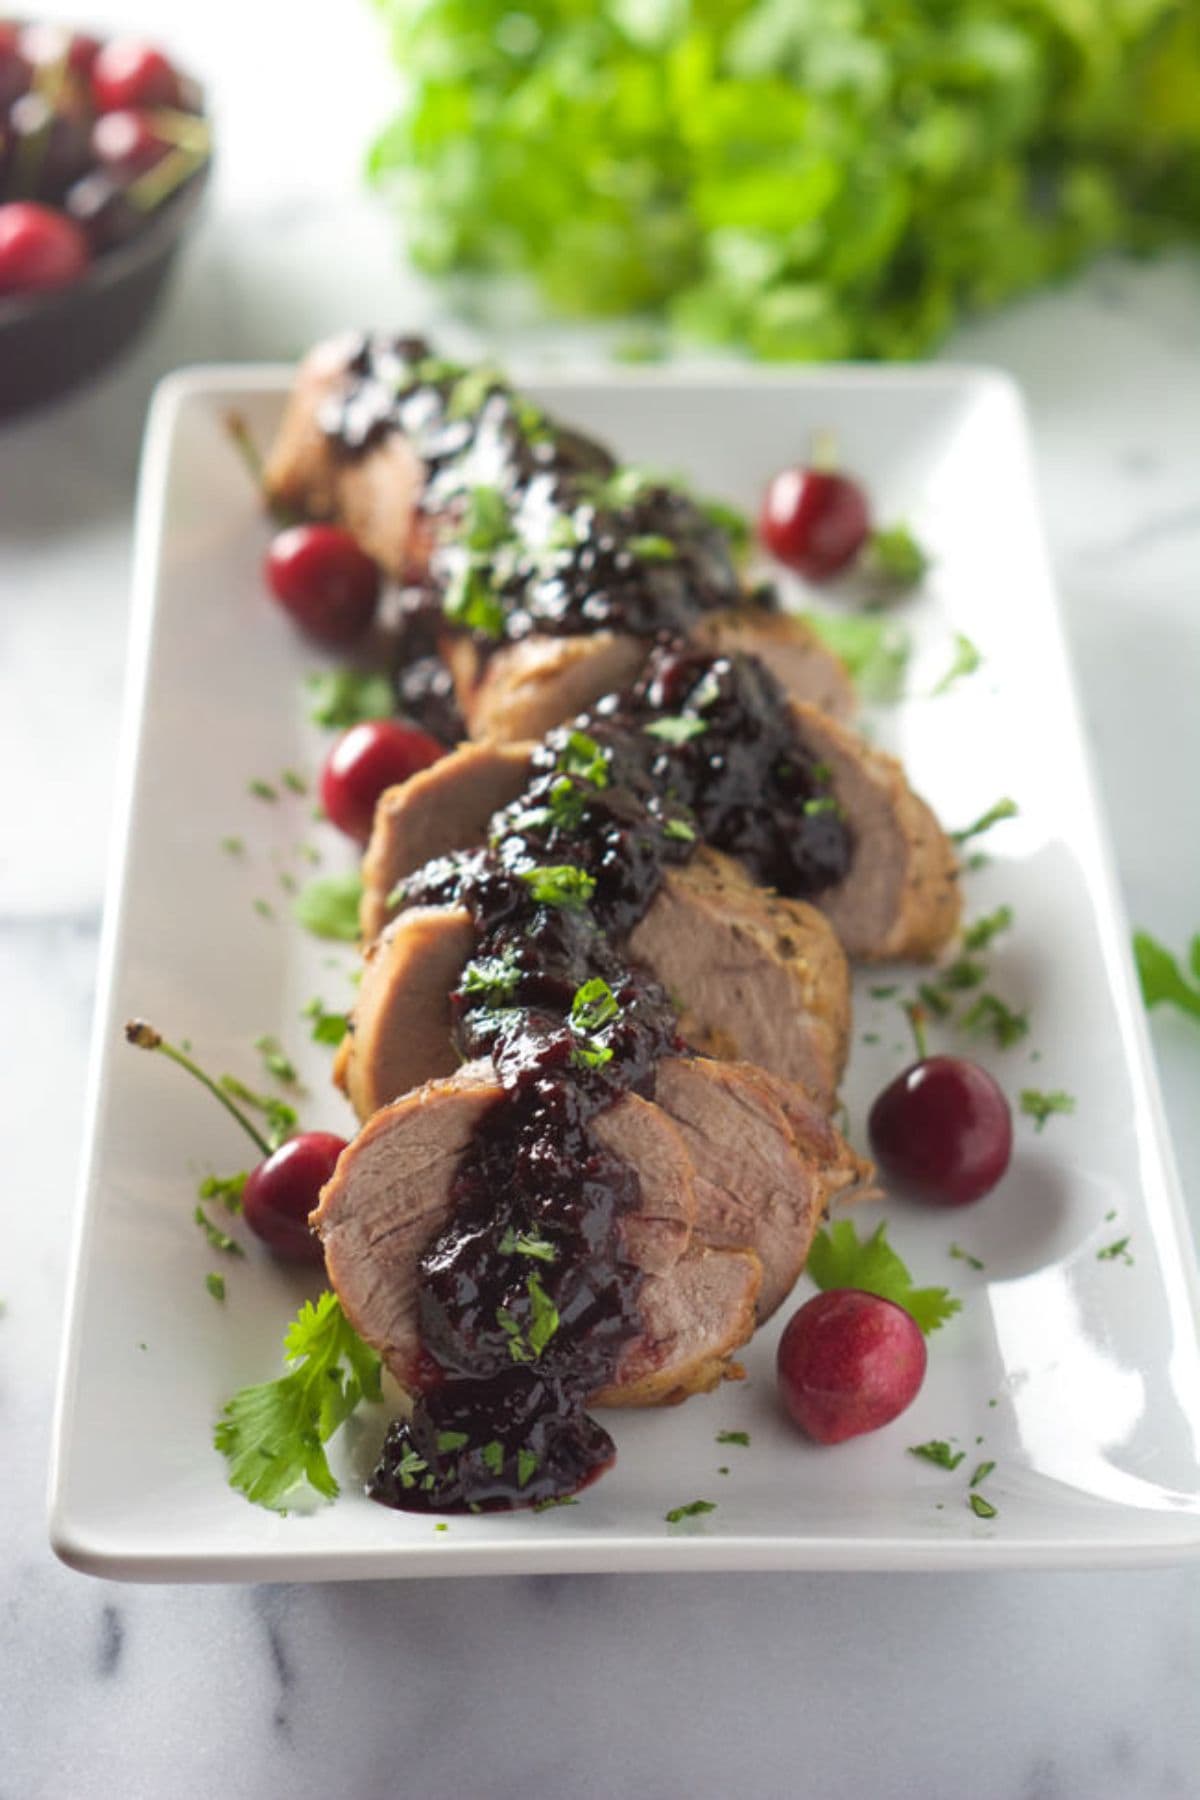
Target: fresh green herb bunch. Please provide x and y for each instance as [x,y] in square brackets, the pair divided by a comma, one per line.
[809,181]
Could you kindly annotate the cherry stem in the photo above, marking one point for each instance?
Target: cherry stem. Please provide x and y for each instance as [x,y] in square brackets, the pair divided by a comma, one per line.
[248,450]
[162,179]
[145,1037]
[823,454]
[916,1019]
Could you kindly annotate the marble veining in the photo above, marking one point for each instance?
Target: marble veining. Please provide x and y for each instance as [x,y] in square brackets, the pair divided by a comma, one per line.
[1027,1687]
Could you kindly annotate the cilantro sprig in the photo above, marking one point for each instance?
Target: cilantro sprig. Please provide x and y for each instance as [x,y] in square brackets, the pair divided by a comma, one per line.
[273,1435]
[839,1258]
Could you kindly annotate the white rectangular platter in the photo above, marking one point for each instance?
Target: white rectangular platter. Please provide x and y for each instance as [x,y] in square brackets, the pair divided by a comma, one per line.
[1077,1373]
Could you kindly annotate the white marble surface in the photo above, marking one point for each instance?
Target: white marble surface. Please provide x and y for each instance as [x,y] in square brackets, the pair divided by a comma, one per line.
[1044,1687]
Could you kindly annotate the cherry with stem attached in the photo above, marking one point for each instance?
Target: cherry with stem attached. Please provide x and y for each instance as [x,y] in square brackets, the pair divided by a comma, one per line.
[285,1186]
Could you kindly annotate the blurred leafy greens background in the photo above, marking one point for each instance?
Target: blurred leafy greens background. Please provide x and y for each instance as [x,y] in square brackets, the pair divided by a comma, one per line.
[805,178]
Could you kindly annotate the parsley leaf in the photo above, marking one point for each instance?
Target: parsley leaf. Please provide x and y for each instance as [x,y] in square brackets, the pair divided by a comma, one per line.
[1003,809]
[966,660]
[990,1013]
[958,1254]
[653,547]
[492,979]
[1162,980]
[980,933]
[469,601]
[273,1435]
[561,884]
[328,907]
[982,1472]
[327,1027]
[227,1189]
[938,1451]
[734,1437]
[543,1321]
[215,1284]
[582,755]
[692,1511]
[275,1061]
[893,555]
[343,697]
[839,1259]
[594,1006]
[983,1509]
[218,1239]
[1118,1252]
[1039,1106]
[680,831]
[874,650]
[676,731]
[527,1243]
[485,523]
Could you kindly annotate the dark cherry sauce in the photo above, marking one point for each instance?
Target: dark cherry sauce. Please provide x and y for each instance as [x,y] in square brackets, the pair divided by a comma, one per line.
[528,1298]
[562,542]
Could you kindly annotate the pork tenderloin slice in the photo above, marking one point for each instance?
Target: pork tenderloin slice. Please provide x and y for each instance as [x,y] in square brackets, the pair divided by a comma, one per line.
[902,896]
[760,1185]
[758,979]
[693,1320]
[400,1030]
[523,690]
[390,1197]
[375,494]
[442,808]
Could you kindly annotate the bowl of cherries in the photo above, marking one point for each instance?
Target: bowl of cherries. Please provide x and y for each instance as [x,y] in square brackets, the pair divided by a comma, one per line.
[104,153]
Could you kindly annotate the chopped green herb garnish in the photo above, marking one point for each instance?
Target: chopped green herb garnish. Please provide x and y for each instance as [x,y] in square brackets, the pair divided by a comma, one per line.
[262,790]
[451,1440]
[327,1027]
[840,1259]
[279,1116]
[294,783]
[653,547]
[582,755]
[469,601]
[734,1437]
[983,1509]
[485,522]
[731,521]
[966,660]
[328,907]
[677,730]
[273,1434]
[527,1243]
[823,803]
[227,1189]
[894,556]
[962,975]
[884,993]
[471,389]
[561,884]
[1003,809]
[1162,980]
[1118,1252]
[344,697]
[594,1006]
[492,979]
[233,846]
[493,1456]
[934,1001]
[680,831]
[693,1510]
[587,1054]
[964,1256]
[544,1314]
[410,1466]
[275,1061]
[980,933]
[874,650]
[263,908]
[540,1506]
[991,1014]
[938,1451]
[1039,1106]
[218,1239]
[981,1473]
[216,1285]
[527,1462]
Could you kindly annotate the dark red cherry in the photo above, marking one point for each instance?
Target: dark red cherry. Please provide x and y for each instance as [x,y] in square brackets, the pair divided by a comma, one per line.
[44,45]
[282,1191]
[39,248]
[324,581]
[128,72]
[849,1362]
[100,205]
[942,1130]
[815,521]
[367,759]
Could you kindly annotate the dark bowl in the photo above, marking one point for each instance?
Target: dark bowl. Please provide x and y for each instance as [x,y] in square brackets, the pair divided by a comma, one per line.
[50,342]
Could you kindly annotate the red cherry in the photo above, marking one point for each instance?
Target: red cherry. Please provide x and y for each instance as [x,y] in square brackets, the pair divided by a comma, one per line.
[39,248]
[127,72]
[282,1191]
[815,521]
[942,1129]
[849,1362]
[365,761]
[44,45]
[126,141]
[321,577]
